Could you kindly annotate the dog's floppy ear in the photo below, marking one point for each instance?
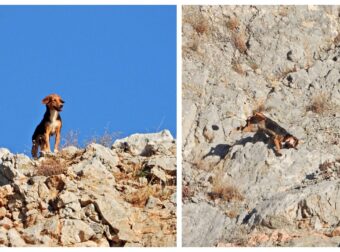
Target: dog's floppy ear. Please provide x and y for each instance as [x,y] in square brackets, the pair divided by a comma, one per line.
[46,99]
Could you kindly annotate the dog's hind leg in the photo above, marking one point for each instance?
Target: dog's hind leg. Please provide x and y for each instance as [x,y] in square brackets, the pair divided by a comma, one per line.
[34,150]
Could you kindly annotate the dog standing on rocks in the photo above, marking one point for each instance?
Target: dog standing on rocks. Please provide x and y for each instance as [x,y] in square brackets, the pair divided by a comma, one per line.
[49,126]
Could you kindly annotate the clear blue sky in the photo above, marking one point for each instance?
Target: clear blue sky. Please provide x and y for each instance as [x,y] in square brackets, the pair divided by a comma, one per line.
[115,67]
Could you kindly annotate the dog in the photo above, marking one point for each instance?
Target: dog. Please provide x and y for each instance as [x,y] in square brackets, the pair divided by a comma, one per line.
[50,125]
[280,137]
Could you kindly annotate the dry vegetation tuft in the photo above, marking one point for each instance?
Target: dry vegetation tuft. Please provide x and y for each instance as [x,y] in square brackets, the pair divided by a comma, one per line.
[233,24]
[51,166]
[236,66]
[259,106]
[239,41]
[71,138]
[140,197]
[319,104]
[106,139]
[225,191]
[201,26]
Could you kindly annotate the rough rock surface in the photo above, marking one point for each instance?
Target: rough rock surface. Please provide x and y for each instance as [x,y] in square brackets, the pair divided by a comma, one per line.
[91,197]
[285,62]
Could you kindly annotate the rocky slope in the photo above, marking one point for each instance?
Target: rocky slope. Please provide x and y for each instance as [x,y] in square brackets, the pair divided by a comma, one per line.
[119,196]
[285,62]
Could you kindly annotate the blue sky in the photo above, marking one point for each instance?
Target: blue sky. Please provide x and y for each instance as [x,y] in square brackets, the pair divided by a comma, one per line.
[115,67]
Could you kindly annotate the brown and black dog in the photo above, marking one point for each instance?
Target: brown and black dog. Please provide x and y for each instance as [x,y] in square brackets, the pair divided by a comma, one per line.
[280,137]
[50,125]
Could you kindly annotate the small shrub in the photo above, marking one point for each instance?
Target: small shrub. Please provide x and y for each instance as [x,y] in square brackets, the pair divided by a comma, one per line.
[201,26]
[319,104]
[107,139]
[186,192]
[259,106]
[325,165]
[233,24]
[50,167]
[239,42]
[70,139]
[224,191]
[237,68]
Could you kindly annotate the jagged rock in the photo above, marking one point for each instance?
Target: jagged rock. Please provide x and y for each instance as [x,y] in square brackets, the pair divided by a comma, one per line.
[137,142]
[3,236]
[66,197]
[6,223]
[201,220]
[117,216]
[159,173]
[75,231]
[86,205]
[286,209]
[15,239]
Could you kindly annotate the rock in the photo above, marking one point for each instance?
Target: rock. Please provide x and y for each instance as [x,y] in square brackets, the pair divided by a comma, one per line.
[117,216]
[138,142]
[14,239]
[198,231]
[153,202]
[66,198]
[88,205]
[75,231]
[3,212]
[6,223]
[336,232]
[159,173]
[3,236]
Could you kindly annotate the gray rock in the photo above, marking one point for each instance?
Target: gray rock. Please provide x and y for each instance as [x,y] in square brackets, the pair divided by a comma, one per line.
[137,142]
[15,239]
[75,231]
[202,225]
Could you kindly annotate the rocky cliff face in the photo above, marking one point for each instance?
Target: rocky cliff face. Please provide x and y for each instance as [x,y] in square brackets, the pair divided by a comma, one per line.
[285,62]
[97,196]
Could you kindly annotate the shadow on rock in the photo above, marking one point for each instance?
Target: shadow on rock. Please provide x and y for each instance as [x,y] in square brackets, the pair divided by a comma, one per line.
[220,150]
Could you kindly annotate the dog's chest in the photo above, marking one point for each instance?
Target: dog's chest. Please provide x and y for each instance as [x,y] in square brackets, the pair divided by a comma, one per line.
[54,123]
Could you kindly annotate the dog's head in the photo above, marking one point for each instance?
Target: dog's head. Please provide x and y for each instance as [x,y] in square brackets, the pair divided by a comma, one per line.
[290,141]
[54,101]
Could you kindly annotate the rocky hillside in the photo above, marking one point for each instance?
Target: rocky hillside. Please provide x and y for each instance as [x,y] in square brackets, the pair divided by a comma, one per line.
[285,62]
[119,196]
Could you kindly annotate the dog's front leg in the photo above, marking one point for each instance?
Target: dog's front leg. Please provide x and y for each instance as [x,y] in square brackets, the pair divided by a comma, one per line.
[47,147]
[57,140]
[277,143]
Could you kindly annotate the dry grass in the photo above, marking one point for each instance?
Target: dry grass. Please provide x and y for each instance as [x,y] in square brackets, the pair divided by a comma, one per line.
[232,214]
[201,26]
[259,106]
[319,104]
[70,139]
[106,139]
[187,193]
[253,65]
[325,166]
[239,42]
[140,197]
[233,24]
[237,67]
[50,167]
[225,191]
